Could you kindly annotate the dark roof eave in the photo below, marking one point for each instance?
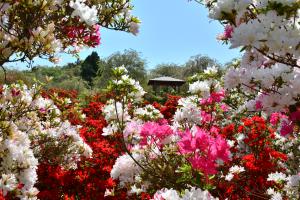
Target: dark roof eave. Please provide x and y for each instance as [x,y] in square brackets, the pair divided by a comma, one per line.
[155,82]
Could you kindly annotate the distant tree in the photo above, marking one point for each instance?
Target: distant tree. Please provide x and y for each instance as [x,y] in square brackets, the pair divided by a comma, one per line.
[89,67]
[169,69]
[104,74]
[197,64]
[71,65]
[131,60]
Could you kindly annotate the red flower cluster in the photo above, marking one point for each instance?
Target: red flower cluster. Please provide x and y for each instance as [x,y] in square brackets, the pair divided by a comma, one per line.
[72,94]
[92,177]
[258,157]
[90,35]
[169,108]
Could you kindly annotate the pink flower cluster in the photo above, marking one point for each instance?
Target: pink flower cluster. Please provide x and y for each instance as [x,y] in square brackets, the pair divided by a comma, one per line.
[215,97]
[287,123]
[203,150]
[155,133]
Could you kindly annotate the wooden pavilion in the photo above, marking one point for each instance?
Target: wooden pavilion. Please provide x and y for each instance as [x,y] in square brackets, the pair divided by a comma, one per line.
[166,81]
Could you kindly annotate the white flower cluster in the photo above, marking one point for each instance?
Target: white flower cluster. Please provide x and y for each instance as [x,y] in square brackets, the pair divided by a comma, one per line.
[271,39]
[276,177]
[192,194]
[276,86]
[200,87]
[136,92]
[205,87]
[116,112]
[30,128]
[125,169]
[271,30]
[147,113]
[84,12]
[211,70]
[234,170]
[290,186]
[274,195]
[188,113]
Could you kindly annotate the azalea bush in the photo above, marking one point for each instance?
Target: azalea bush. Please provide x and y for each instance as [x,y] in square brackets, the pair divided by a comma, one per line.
[206,149]
[56,25]
[267,76]
[44,29]
[161,154]
[34,131]
[92,177]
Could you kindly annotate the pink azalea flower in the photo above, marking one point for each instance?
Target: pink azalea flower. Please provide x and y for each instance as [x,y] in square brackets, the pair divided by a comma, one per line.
[203,150]
[206,117]
[224,107]
[215,97]
[227,33]
[275,118]
[154,132]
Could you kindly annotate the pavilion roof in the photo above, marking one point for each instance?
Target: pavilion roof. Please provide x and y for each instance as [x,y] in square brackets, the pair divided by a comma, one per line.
[166,80]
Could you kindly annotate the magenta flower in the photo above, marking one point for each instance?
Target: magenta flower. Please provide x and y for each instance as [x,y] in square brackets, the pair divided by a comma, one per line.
[153,132]
[228,31]
[203,150]
[206,117]
[287,127]
[275,118]
[258,105]
[295,116]
[215,97]
[224,107]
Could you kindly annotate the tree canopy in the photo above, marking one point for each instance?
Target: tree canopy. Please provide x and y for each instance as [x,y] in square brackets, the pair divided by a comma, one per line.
[89,67]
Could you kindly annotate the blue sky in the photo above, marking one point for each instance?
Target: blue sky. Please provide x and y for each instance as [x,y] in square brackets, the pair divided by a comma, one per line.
[171,32]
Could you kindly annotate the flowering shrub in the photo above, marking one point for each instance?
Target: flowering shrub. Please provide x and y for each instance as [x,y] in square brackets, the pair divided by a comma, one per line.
[267,31]
[32,132]
[92,176]
[205,147]
[91,180]
[253,159]
[47,28]
[265,81]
